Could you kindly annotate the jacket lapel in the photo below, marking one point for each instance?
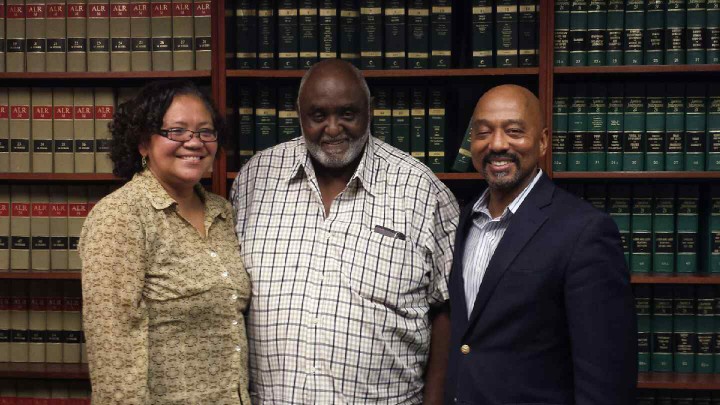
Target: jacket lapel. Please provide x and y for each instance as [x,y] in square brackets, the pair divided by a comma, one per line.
[457,281]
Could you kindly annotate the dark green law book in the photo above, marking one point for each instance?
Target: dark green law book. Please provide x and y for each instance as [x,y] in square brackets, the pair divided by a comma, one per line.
[655,32]
[655,128]
[664,397]
[682,397]
[265,118]
[713,127]
[619,208]
[675,127]
[643,298]
[441,34]
[371,35]
[645,397]
[528,46]
[702,398]
[382,114]
[246,40]
[395,27]
[401,119]
[561,104]
[266,35]
[578,129]
[688,196]
[418,34]
[482,34]
[596,195]
[308,33]
[641,229]
[713,234]
[634,32]
[418,124]
[616,127]
[695,34]
[634,121]
[661,346]
[561,41]
[350,31]
[436,129]
[712,34]
[287,34]
[246,124]
[579,32]
[716,348]
[506,33]
[695,136]
[231,20]
[597,128]
[704,359]
[684,329]
[663,228]
[597,29]
[328,22]
[287,116]
[463,160]
[675,32]
[615,32]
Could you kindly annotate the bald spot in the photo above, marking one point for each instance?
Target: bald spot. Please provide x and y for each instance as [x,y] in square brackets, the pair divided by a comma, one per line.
[523,96]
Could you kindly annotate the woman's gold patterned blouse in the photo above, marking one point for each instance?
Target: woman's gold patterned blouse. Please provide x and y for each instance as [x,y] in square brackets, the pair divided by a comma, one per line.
[163,306]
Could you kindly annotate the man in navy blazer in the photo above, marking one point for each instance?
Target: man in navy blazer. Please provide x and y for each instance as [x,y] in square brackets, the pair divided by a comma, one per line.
[541,305]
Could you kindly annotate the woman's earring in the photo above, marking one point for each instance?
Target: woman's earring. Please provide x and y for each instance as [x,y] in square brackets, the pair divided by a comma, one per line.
[143,162]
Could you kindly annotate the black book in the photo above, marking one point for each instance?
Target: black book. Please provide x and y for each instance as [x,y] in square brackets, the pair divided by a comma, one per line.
[266,35]
[350,31]
[506,33]
[441,34]
[394,19]
[246,34]
[528,33]
[328,22]
[418,34]
[308,32]
[371,35]
[287,34]
[482,34]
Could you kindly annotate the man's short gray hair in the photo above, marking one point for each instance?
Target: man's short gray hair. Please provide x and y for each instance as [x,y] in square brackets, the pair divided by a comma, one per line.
[358,74]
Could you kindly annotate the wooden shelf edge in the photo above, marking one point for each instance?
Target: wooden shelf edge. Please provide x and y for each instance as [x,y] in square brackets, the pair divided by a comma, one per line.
[675,279]
[585,70]
[529,71]
[49,275]
[636,175]
[690,381]
[59,177]
[441,176]
[105,75]
[44,370]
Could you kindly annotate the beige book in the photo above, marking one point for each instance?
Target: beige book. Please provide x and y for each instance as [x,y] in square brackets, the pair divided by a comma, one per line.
[119,35]
[58,228]
[54,322]
[4,321]
[77,212]
[19,227]
[37,321]
[140,36]
[182,31]
[202,22]
[104,110]
[63,130]
[56,36]
[72,321]
[35,15]
[15,36]
[84,126]
[4,131]
[2,36]
[77,35]
[19,128]
[18,321]
[98,31]
[4,228]
[161,31]
[39,228]
[41,130]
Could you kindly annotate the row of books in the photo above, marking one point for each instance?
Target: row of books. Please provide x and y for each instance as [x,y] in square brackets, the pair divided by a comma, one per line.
[411,119]
[636,32]
[677,397]
[660,225]
[636,126]
[57,130]
[40,225]
[104,36]
[51,392]
[41,322]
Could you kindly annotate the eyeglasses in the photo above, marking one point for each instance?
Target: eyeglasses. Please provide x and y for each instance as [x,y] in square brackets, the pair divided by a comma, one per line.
[184,135]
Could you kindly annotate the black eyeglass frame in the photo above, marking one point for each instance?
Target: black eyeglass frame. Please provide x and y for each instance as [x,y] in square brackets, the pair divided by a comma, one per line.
[173,132]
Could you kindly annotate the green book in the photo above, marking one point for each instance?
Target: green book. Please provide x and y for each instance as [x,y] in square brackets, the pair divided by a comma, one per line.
[597,28]
[561,40]
[661,346]
[371,35]
[266,35]
[713,127]
[308,33]
[685,339]
[436,129]
[704,359]
[596,195]
[578,129]
[675,127]
[712,34]
[675,32]
[643,298]
[246,125]
[350,31]
[245,38]
[713,232]
[506,33]
[287,26]
[579,32]
[695,31]
[288,124]
[463,160]
[702,397]
[528,45]
[382,114]
[641,229]
[615,32]
[695,137]
[619,196]
[328,29]
[401,119]
[418,34]
[634,121]
[597,128]
[265,118]
[395,30]
[418,124]
[654,32]
[655,128]
[561,102]
[688,196]
[482,34]
[682,397]
[716,349]
[645,397]
[441,34]
[664,228]
[616,127]
[663,397]
[634,32]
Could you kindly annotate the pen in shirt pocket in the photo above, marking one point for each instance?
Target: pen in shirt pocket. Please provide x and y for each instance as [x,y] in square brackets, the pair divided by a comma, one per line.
[389,232]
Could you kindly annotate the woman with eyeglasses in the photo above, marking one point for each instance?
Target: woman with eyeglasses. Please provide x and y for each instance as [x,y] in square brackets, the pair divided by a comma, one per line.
[164,287]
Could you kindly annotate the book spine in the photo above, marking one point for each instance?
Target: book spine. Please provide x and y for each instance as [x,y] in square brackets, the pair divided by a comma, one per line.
[4,243]
[98,31]
[371,35]
[119,36]
[675,32]
[54,314]
[696,29]
[441,34]
[266,35]
[634,122]
[578,129]
[654,32]
[436,129]
[328,29]
[15,36]
[4,316]
[37,321]
[674,127]
[382,114]
[418,34]
[287,34]
[77,212]
[685,340]
[596,195]
[687,228]
[695,136]
[19,321]
[84,128]
[713,127]
[643,298]
[615,32]
[395,38]
[4,131]
[63,142]
[39,228]
[716,348]
[104,111]
[231,30]
[663,226]
[19,128]
[55,31]
[308,33]
[655,128]
[661,345]
[182,35]
[634,32]
[528,33]
[246,125]
[597,128]
[418,124]
[77,45]
[463,160]
[2,35]
[506,33]
[35,20]
[58,228]
[712,34]
[713,233]
[246,39]
[72,321]
[287,119]
[482,33]
[350,31]
[705,331]
[41,130]
[641,227]
[265,118]
[20,228]
[561,103]
[140,33]
[401,119]
[597,28]
[202,24]
[561,39]
[579,32]
[162,32]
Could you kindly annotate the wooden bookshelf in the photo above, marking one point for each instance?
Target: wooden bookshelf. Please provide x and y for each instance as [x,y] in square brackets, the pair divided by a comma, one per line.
[674,279]
[49,275]
[180,74]
[640,69]
[419,73]
[44,370]
[636,175]
[50,177]
[689,381]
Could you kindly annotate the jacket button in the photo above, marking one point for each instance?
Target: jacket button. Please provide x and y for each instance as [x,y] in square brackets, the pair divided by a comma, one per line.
[465,349]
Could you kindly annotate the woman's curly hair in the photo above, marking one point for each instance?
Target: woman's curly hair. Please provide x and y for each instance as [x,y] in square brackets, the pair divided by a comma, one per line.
[137,119]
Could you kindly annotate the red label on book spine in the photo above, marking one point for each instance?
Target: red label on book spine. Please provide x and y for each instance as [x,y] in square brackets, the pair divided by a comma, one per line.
[182,10]
[77,11]
[4,303]
[54,304]
[140,10]
[83,112]
[19,303]
[21,209]
[56,10]
[104,112]
[72,304]
[63,112]
[20,112]
[35,11]
[76,210]
[100,10]
[58,210]
[3,112]
[120,10]
[42,112]
[40,209]
[161,9]
[14,11]
[38,303]
[4,209]
[202,8]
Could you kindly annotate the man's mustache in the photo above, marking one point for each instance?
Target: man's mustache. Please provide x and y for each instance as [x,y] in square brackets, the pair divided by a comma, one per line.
[510,156]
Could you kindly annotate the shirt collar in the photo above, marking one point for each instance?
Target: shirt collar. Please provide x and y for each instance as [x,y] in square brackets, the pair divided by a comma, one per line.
[482,203]
[160,199]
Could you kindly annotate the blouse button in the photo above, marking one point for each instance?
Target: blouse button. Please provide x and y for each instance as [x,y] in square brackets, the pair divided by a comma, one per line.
[213,254]
[234,322]
[237,348]
[224,273]
[233,297]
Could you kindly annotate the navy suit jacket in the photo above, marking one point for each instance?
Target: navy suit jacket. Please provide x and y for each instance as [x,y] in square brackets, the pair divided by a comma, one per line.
[554,320]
